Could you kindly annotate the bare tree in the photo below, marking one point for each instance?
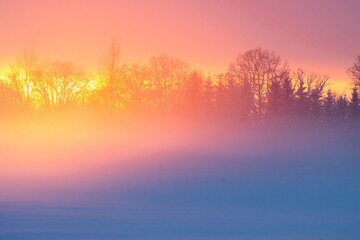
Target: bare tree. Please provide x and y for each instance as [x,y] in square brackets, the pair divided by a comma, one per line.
[136,88]
[354,71]
[167,80]
[309,91]
[110,77]
[62,85]
[10,99]
[257,68]
[24,72]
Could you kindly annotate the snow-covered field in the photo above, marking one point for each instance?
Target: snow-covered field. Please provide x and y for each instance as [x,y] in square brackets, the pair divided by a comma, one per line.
[245,184]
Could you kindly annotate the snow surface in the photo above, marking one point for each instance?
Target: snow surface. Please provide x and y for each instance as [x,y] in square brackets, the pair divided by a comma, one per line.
[256,184]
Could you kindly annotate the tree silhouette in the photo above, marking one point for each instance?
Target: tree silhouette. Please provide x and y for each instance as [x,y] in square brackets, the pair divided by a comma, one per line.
[354,71]
[191,102]
[167,80]
[136,90]
[257,86]
[61,86]
[354,105]
[301,95]
[342,109]
[257,68]
[220,102]
[274,95]
[10,99]
[233,98]
[316,85]
[24,71]
[110,78]
[288,95]
[208,97]
[329,107]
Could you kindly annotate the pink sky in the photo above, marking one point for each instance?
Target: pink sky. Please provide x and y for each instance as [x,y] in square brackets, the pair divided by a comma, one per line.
[319,36]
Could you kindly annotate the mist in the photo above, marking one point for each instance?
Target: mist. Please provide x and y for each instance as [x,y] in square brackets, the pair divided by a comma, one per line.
[178,179]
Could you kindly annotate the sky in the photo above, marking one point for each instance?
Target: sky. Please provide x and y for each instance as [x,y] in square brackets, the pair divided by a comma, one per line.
[318,36]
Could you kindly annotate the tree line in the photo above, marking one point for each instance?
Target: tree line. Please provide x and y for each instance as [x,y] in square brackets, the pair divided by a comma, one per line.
[257,86]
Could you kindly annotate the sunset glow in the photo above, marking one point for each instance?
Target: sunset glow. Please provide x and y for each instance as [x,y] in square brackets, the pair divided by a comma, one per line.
[207,34]
[179,119]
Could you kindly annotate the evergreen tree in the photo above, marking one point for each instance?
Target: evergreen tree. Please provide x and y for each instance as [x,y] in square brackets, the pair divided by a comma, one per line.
[256,68]
[329,107]
[354,105]
[208,97]
[301,96]
[274,95]
[342,109]
[220,100]
[315,109]
[287,96]
[192,93]
[233,98]
[247,101]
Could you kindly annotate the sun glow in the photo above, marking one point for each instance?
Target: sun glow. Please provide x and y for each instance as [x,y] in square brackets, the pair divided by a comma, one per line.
[39,154]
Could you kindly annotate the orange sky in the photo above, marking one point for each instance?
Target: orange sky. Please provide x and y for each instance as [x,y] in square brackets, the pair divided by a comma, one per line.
[317,35]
